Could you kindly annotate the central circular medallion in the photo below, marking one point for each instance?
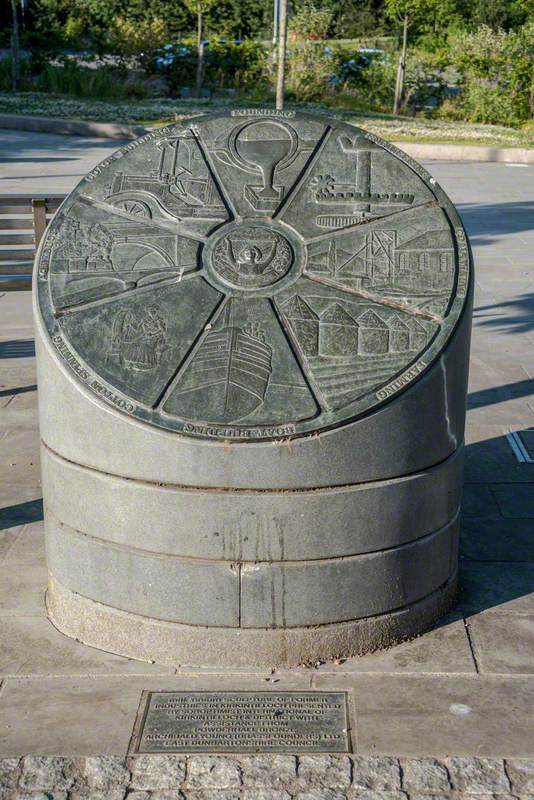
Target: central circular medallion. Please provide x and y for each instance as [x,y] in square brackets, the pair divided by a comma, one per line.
[251,257]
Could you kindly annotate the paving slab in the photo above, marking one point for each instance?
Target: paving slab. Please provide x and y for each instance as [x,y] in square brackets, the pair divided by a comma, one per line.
[76,716]
[479,502]
[18,405]
[16,499]
[22,590]
[492,461]
[29,547]
[505,587]
[503,643]
[516,502]
[446,648]
[8,537]
[19,456]
[499,539]
[30,645]
[432,715]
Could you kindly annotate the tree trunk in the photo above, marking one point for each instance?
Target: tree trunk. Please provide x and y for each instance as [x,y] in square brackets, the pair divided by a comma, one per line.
[200,56]
[282,32]
[276,10]
[15,64]
[401,72]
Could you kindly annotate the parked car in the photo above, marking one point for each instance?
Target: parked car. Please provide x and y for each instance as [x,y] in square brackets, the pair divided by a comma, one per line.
[162,58]
[352,68]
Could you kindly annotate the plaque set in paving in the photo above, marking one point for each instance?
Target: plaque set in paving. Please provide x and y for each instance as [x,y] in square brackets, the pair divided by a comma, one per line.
[242,722]
[253,338]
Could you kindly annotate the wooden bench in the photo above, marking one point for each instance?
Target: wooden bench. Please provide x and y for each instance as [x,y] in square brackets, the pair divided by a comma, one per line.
[23,221]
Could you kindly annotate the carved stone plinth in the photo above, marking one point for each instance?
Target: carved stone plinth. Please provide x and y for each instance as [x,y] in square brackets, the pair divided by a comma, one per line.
[253,336]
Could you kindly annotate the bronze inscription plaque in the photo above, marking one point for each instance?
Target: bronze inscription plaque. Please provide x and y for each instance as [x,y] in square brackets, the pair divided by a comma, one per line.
[253,276]
[243,722]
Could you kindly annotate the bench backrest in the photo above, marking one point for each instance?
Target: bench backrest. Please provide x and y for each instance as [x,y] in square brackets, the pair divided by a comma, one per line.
[23,221]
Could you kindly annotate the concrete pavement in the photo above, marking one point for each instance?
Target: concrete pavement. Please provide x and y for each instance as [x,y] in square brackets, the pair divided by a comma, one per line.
[465,689]
[46,163]
[52,163]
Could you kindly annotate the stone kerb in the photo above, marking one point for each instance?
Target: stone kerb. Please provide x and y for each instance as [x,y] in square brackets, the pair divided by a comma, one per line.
[272,777]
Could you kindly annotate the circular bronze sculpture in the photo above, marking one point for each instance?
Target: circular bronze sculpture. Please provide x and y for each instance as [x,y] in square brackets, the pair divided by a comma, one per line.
[288,284]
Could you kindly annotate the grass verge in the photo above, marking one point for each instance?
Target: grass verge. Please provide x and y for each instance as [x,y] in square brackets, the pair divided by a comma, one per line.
[157,112]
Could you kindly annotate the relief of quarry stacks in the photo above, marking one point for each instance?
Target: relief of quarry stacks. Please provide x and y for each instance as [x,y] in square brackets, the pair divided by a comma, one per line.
[335,333]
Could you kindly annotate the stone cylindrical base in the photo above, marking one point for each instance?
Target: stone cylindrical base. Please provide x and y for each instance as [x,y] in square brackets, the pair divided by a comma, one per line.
[153,567]
[175,644]
[238,559]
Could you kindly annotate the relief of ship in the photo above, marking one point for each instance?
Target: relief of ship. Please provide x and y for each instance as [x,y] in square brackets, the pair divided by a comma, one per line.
[228,375]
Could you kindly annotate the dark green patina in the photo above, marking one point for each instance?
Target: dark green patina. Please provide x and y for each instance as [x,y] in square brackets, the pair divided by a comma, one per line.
[253,275]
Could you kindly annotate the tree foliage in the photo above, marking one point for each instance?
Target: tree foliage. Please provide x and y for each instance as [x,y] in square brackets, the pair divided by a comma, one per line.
[103,25]
[487,45]
[497,69]
[424,16]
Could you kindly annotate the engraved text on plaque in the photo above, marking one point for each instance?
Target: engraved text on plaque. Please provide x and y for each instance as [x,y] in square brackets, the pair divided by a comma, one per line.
[243,722]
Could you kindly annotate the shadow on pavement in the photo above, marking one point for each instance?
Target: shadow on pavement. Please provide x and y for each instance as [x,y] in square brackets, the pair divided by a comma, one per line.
[497,530]
[487,222]
[18,390]
[510,316]
[21,514]
[499,394]
[17,348]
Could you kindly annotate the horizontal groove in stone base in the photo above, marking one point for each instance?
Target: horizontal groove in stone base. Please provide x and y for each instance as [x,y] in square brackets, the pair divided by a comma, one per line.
[248,525]
[177,645]
[260,595]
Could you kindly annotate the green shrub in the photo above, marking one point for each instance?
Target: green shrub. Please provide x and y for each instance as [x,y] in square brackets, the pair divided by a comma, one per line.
[227,65]
[497,75]
[236,66]
[24,83]
[424,84]
[480,103]
[364,84]
[377,85]
[106,83]
[5,75]
[309,68]
[481,53]
[521,59]
[310,21]
[131,37]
